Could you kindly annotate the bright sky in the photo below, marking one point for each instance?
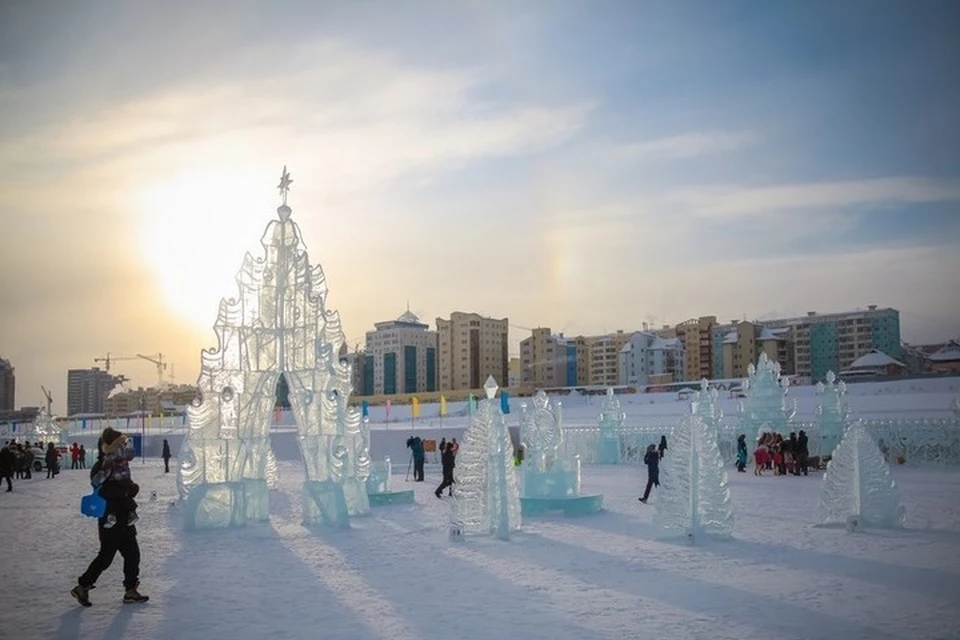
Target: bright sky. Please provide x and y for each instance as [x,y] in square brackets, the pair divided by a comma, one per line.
[583,166]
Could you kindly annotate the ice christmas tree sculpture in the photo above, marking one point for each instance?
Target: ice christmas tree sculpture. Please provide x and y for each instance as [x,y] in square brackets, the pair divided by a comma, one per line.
[277,325]
[546,473]
[766,408]
[831,413]
[857,487]
[487,499]
[693,498]
[45,429]
[611,421]
[709,412]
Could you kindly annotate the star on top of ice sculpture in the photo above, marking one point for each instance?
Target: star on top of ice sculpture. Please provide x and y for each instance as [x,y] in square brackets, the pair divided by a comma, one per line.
[490,387]
[284,186]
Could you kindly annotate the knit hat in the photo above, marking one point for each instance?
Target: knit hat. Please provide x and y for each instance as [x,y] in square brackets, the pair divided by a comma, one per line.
[109,435]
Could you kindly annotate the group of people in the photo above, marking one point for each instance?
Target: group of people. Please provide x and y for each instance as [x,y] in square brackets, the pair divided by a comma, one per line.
[17,460]
[78,456]
[774,452]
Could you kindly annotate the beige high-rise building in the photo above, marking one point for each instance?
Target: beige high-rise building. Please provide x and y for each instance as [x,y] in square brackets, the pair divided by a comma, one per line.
[547,360]
[603,353]
[151,400]
[695,336]
[471,349]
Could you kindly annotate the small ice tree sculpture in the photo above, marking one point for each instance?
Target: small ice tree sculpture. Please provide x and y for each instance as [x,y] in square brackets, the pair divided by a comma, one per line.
[45,429]
[546,474]
[611,422]
[694,499]
[706,400]
[857,487]
[766,407]
[486,496]
[831,413]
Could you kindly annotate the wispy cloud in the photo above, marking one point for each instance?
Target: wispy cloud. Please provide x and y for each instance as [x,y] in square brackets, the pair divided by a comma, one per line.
[688,145]
[731,202]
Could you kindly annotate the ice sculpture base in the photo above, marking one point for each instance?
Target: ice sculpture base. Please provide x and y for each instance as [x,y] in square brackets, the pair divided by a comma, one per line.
[324,504]
[608,452]
[379,479]
[570,506]
[256,500]
[385,498]
[218,505]
[355,494]
[556,483]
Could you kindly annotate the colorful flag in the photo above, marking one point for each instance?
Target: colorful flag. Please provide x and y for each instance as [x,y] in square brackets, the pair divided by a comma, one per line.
[388,410]
[443,406]
[364,409]
[504,402]
[471,405]
[415,407]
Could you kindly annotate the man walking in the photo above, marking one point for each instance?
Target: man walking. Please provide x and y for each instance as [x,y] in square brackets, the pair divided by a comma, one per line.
[652,460]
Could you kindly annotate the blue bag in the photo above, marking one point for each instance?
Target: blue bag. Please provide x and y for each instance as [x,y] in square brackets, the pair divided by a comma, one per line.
[93,505]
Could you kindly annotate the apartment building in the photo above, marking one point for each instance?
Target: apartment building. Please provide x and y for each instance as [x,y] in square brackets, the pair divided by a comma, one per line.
[832,342]
[603,356]
[742,343]
[514,372]
[87,390]
[649,359]
[153,400]
[471,348]
[8,386]
[548,360]
[696,336]
[400,357]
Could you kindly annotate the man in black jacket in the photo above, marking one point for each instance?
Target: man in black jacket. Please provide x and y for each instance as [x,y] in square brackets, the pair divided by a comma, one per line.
[121,537]
[652,460]
[803,452]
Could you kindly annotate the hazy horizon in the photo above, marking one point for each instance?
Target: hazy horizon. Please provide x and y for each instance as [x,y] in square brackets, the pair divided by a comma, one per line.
[555,164]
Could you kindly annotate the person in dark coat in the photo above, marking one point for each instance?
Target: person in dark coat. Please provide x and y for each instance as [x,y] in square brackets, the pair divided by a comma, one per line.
[652,460]
[8,461]
[415,444]
[663,446]
[803,452]
[83,457]
[448,460]
[51,458]
[742,453]
[166,456]
[121,539]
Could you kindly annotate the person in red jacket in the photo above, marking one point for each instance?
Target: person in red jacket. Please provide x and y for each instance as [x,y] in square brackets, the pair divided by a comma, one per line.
[74,456]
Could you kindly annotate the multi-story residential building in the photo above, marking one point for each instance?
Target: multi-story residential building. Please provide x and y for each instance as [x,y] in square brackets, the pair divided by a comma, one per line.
[88,389]
[603,353]
[356,360]
[743,345]
[514,372]
[471,349]
[649,359]
[548,360]
[8,386]
[696,336]
[832,342]
[581,356]
[402,355]
[153,400]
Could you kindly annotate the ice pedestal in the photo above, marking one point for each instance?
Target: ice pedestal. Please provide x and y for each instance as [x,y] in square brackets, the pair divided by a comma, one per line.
[324,504]
[611,421]
[378,486]
[221,505]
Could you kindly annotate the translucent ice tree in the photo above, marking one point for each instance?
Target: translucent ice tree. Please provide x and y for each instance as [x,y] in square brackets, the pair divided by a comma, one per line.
[45,429]
[277,325]
[831,413]
[486,496]
[546,472]
[693,499]
[766,407]
[706,400]
[611,422]
[857,487]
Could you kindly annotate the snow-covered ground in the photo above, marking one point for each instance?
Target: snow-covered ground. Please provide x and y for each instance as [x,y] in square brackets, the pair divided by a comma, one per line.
[395,574]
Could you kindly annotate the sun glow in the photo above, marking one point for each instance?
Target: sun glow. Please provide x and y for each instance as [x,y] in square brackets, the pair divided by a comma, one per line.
[194,228]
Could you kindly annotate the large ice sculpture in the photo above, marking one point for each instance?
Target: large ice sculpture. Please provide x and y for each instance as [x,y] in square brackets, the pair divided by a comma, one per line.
[706,399]
[766,408]
[486,497]
[551,480]
[611,422]
[857,487]
[45,429]
[831,413]
[278,325]
[693,498]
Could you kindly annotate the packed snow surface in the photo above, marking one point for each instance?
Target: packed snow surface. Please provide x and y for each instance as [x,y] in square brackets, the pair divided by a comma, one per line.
[396,574]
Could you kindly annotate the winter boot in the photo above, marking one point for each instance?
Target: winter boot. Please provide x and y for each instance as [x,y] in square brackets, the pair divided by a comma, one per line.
[82,594]
[132,595]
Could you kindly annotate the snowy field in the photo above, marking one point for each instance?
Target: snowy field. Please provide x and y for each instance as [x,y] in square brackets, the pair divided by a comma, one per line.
[395,574]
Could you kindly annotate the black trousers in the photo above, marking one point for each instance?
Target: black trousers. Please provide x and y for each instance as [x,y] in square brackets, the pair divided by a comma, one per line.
[418,469]
[166,465]
[652,481]
[119,538]
[447,482]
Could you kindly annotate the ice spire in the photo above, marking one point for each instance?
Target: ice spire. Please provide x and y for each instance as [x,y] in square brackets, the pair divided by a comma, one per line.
[766,408]
[831,413]
[611,421]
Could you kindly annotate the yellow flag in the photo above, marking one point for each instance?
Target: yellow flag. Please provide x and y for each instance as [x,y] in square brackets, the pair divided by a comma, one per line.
[443,406]
[415,408]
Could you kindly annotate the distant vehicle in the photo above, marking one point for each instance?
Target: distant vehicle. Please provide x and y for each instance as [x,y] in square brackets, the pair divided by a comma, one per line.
[40,457]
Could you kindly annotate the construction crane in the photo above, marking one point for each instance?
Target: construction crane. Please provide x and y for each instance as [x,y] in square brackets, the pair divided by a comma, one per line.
[161,365]
[49,399]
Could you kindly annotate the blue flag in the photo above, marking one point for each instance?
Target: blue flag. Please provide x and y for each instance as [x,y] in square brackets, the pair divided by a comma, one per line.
[504,402]
[364,409]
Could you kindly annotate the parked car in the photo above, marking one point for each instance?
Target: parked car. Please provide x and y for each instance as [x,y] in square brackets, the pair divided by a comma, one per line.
[40,457]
